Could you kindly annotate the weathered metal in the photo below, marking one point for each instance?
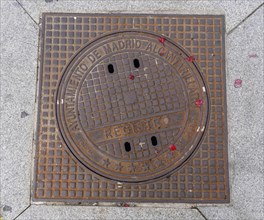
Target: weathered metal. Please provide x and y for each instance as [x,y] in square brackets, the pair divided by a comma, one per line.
[132,108]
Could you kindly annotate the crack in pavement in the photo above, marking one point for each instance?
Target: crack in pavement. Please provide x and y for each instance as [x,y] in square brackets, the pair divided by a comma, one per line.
[27,12]
[22,212]
[241,22]
[198,210]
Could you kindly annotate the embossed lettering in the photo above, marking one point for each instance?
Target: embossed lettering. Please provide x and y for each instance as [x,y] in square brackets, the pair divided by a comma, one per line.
[108,133]
[129,44]
[107,49]
[83,67]
[149,47]
[139,126]
[171,57]
[114,46]
[91,58]
[138,44]
[121,45]
[96,54]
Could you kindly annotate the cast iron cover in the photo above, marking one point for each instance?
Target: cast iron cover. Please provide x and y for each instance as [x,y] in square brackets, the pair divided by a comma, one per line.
[132,108]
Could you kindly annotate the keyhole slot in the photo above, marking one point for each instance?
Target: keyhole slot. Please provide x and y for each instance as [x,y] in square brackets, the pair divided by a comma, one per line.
[111,68]
[154,141]
[136,63]
[127,146]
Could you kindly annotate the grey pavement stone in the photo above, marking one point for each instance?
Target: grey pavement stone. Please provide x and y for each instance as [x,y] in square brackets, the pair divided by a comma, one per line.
[19,40]
[78,212]
[234,10]
[245,116]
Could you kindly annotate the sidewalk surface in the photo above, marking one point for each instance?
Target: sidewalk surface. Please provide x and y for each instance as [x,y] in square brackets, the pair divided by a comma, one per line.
[19,72]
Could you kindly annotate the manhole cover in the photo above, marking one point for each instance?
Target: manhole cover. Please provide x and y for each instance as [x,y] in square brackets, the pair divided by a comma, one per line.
[131,108]
[122,127]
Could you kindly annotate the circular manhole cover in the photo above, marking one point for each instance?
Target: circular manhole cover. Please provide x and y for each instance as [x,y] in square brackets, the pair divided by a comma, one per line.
[127,106]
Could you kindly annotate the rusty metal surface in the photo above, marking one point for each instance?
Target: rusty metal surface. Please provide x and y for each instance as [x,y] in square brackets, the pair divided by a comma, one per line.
[113,99]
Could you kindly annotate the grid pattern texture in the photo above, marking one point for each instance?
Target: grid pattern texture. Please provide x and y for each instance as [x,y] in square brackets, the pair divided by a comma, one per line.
[106,89]
[58,175]
[114,98]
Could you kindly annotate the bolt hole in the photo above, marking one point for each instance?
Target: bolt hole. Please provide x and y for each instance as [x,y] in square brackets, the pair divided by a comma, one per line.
[154,141]
[136,63]
[127,147]
[110,68]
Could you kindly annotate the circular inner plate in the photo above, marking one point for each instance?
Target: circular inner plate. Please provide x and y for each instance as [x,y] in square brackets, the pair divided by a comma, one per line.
[124,99]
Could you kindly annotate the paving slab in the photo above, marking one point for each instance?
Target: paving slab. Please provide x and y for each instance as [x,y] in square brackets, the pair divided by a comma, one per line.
[235,11]
[245,117]
[62,212]
[19,45]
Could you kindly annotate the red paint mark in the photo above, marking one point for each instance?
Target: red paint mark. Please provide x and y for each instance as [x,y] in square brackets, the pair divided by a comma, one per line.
[172,147]
[131,76]
[162,52]
[190,58]
[199,103]
[253,55]
[238,83]
[162,40]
